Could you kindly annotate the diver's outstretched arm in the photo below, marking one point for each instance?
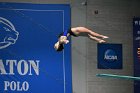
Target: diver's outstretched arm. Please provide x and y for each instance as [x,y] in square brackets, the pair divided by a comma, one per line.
[96,39]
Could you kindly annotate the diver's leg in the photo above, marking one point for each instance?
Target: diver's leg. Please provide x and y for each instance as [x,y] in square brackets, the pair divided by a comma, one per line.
[78,30]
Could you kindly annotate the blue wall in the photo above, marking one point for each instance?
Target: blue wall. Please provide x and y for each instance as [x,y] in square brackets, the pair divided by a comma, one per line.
[28,61]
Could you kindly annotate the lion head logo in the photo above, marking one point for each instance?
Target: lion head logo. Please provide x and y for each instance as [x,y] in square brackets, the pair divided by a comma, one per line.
[8,33]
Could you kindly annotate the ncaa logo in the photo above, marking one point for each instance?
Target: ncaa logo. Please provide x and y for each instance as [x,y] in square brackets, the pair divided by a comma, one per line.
[110,55]
[8,33]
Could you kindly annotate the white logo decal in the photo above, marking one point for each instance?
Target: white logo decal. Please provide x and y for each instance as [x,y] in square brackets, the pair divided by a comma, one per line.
[8,33]
[110,55]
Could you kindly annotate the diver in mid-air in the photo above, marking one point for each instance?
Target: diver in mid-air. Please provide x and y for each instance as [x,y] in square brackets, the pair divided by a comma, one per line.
[76,31]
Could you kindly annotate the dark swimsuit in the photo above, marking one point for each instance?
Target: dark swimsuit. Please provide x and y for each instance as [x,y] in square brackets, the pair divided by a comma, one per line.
[61,47]
[71,33]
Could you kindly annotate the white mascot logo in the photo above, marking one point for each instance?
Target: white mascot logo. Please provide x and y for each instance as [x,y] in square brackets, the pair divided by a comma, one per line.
[8,33]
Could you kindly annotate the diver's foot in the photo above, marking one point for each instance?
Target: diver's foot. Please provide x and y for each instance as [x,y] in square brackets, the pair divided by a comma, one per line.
[104,37]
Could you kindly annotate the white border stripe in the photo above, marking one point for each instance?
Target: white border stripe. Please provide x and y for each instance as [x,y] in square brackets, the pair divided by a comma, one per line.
[64,59]
[30,9]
